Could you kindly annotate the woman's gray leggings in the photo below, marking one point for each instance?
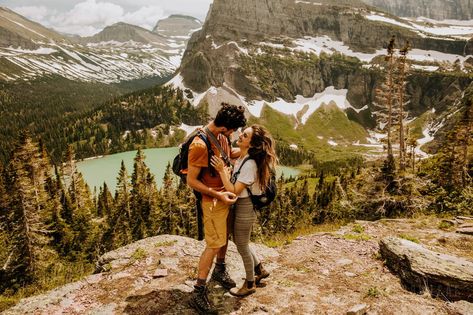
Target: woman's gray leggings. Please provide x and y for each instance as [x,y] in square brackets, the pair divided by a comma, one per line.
[245,217]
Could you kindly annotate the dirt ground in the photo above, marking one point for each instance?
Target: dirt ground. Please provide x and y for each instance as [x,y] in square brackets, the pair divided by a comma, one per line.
[322,273]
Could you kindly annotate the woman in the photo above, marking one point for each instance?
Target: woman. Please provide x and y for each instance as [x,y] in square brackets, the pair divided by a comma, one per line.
[252,171]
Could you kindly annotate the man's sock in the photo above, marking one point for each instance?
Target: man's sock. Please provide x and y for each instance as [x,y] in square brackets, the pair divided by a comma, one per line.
[249,284]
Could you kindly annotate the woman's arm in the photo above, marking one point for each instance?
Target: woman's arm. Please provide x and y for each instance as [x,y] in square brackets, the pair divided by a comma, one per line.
[224,173]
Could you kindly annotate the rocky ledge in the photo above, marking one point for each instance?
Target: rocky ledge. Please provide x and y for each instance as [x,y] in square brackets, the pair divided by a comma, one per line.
[331,272]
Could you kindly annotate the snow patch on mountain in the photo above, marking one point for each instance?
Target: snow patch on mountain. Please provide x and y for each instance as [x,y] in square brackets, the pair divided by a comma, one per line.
[439,30]
[325,44]
[330,94]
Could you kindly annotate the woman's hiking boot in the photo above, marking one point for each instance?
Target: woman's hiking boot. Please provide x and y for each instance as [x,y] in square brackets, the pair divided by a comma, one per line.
[200,301]
[260,273]
[221,275]
[248,287]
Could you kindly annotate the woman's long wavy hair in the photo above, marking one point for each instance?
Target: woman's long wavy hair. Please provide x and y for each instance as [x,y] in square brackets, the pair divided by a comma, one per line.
[262,150]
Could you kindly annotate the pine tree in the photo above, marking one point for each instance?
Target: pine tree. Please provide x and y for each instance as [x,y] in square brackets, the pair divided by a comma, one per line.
[78,207]
[465,136]
[119,231]
[401,82]
[386,95]
[104,202]
[29,210]
[143,195]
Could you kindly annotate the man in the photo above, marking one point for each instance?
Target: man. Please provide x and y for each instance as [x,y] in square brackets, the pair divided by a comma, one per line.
[215,201]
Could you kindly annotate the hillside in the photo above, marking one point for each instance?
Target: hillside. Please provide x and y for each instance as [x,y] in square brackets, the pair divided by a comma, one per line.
[335,271]
[119,53]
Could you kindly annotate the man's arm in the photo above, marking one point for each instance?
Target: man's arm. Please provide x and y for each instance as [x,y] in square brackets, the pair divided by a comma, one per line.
[194,182]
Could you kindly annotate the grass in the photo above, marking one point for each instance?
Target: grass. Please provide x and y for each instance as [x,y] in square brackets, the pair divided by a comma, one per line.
[281,239]
[445,225]
[165,243]
[357,237]
[328,122]
[373,292]
[138,255]
[357,228]
[409,238]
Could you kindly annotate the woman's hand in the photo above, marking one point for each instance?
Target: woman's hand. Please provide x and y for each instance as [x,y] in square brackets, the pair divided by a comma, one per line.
[218,164]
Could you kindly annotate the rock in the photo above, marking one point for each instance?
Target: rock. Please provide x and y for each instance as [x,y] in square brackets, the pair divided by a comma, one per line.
[160,273]
[359,309]
[442,275]
[461,308]
[350,274]
[465,230]
[344,262]
[464,218]
[450,222]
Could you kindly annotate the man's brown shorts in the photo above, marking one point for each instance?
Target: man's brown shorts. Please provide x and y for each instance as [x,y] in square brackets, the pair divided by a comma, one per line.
[215,223]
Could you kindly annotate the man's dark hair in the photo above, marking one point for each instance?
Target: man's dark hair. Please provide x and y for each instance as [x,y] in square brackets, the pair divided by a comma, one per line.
[230,116]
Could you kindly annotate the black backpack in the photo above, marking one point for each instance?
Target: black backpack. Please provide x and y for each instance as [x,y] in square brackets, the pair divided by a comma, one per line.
[180,166]
[180,162]
[268,196]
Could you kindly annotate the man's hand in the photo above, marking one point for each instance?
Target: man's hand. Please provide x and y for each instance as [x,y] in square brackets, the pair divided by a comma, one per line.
[227,197]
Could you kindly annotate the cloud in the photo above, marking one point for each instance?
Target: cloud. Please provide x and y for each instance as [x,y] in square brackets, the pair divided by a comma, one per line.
[36,13]
[145,17]
[90,17]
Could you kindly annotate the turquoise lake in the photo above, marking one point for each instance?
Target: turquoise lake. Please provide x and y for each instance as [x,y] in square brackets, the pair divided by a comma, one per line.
[105,169]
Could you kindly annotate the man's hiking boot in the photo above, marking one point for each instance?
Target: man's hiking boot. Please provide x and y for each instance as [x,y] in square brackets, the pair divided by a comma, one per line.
[260,273]
[221,275]
[200,301]
[244,290]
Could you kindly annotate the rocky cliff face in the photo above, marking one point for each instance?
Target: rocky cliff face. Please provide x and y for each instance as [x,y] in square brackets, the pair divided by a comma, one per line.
[269,50]
[434,9]
[213,52]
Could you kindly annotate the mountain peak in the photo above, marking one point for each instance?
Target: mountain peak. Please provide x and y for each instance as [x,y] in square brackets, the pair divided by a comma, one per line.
[177,25]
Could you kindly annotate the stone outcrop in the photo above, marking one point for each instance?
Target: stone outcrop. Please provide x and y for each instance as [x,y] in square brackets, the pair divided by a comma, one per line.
[323,273]
[434,9]
[422,270]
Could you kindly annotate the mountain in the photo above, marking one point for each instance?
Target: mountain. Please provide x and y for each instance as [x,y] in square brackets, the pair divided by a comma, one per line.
[121,52]
[48,79]
[295,56]
[16,31]
[123,32]
[434,9]
[177,26]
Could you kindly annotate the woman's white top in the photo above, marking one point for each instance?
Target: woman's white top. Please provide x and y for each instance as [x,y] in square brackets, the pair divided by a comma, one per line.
[248,175]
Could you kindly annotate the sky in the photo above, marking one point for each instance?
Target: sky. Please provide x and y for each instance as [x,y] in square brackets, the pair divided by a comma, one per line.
[88,17]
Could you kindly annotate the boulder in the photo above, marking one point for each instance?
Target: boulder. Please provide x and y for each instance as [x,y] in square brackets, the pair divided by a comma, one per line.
[461,308]
[420,269]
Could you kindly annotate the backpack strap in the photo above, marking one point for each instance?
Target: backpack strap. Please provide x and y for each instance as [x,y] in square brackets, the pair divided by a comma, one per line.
[215,142]
[203,135]
[235,175]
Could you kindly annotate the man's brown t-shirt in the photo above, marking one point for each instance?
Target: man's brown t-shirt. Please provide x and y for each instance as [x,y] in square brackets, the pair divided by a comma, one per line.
[198,156]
